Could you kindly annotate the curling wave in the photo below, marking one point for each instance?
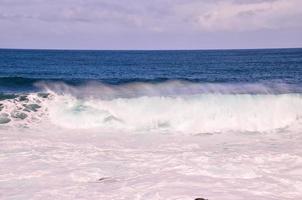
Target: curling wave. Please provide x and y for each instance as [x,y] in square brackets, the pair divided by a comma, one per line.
[173,107]
[198,113]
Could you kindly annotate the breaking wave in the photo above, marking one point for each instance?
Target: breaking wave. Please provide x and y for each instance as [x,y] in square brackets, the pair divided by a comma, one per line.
[172,106]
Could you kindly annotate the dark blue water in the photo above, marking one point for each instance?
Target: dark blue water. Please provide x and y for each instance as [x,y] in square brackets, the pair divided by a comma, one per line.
[21,69]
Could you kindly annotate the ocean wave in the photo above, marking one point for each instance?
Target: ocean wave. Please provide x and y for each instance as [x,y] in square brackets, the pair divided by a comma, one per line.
[172,106]
[13,82]
[23,110]
[96,89]
[163,85]
[195,114]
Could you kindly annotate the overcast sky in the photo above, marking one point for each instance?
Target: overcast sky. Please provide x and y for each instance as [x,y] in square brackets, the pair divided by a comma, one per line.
[150,24]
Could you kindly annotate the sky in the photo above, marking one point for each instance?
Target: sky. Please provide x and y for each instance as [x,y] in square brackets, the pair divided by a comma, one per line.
[150,24]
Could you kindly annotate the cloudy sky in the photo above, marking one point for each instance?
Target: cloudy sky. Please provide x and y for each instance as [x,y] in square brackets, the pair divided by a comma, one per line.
[150,24]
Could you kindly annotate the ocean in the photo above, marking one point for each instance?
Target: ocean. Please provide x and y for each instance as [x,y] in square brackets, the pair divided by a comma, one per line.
[185,124]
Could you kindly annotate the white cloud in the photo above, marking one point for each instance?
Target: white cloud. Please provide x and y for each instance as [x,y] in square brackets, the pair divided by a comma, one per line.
[240,16]
[161,15]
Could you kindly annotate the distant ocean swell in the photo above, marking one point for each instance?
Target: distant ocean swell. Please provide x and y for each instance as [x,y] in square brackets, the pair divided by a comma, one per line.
[25,84]
[172,106]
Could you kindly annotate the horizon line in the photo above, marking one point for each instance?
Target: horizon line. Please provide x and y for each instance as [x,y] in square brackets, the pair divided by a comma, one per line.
[209,49]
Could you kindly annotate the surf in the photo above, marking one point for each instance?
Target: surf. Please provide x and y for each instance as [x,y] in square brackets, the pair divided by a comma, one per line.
[174,107]
[188,114]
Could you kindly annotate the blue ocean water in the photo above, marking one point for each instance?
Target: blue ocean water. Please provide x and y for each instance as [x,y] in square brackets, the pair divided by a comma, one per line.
[21,69]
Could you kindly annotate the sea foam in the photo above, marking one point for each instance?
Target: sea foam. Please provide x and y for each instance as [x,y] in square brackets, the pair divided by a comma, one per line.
[169,107]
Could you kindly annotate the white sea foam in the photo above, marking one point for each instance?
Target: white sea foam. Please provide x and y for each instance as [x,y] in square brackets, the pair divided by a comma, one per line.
[187,114]
[54,163]
[170,107]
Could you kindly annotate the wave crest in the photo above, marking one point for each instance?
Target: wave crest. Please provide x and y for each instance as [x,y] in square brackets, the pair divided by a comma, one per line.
[173,106]
[190,114]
